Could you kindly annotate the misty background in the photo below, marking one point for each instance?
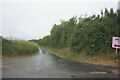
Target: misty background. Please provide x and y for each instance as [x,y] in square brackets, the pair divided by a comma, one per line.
[32,19]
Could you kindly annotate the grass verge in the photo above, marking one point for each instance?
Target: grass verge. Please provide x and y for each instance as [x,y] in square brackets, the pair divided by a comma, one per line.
[11,48]
[106,59]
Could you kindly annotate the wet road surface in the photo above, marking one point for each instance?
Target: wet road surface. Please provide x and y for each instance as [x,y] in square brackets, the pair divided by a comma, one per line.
[47,65]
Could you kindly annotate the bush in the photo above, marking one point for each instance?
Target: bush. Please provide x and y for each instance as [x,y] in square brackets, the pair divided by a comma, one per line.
[89,35]
[18,47]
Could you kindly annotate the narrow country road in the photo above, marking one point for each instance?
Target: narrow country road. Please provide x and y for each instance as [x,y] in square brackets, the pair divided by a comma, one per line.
[47,65]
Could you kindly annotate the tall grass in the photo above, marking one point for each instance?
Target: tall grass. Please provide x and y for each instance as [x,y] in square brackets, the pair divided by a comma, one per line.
[0,46]
[18,47]
[106,59]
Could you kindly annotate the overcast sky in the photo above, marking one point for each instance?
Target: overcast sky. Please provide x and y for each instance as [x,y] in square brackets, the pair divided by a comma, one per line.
[33,19]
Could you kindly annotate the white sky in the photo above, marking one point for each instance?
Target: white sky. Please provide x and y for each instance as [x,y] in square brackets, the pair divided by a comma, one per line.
[31,19]
[59,0]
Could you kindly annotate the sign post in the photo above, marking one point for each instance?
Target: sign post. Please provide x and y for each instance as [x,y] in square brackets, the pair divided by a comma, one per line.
[116,43]
[116,50]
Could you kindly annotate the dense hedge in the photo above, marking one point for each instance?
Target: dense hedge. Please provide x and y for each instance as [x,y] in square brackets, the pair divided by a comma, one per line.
[88,35]
[18,47]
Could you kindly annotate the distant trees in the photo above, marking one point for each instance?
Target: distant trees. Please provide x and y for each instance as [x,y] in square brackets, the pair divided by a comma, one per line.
[89,35]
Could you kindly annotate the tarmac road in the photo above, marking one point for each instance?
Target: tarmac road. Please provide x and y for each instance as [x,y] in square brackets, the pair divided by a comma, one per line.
[47,65]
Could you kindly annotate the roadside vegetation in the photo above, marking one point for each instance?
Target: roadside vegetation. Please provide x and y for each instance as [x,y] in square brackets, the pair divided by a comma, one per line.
[106,59]
[12,48]
[90,36]
[0,47]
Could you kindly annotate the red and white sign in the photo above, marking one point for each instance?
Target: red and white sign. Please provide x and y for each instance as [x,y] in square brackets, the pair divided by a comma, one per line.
[116,42]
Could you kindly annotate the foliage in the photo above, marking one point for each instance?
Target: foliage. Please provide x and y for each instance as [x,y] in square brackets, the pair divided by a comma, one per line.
[89,35]
[18,47]
[0,45]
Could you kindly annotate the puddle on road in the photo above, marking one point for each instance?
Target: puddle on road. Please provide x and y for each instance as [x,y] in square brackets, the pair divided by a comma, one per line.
[28,69]
[98,72]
